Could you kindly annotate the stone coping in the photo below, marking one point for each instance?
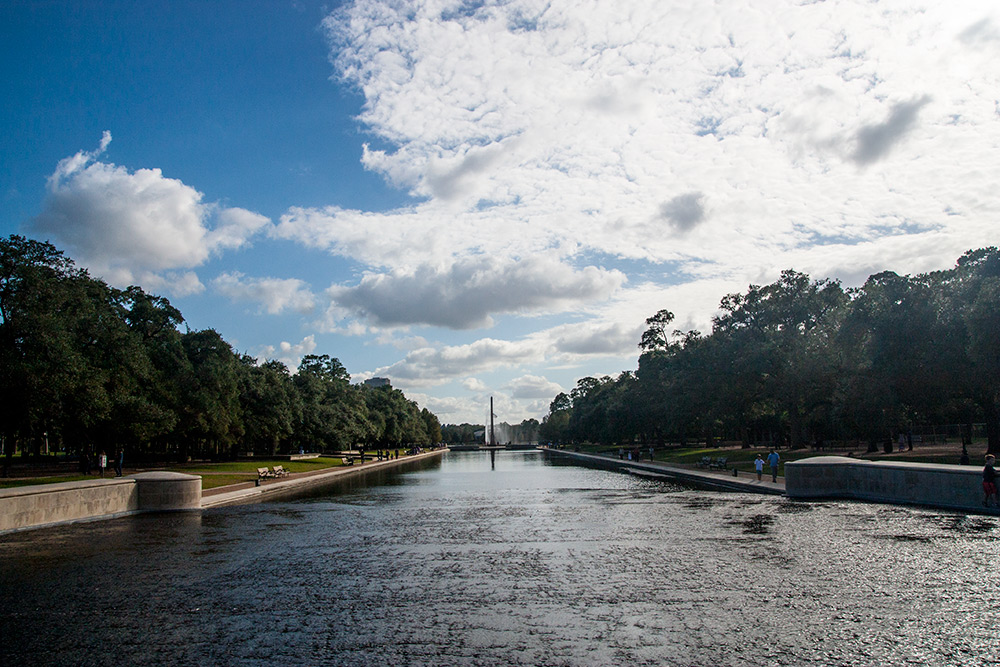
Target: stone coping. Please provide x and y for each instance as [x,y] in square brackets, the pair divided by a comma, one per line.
[717,481]
[299,481]
[945,468]
[940,485]
[58,487]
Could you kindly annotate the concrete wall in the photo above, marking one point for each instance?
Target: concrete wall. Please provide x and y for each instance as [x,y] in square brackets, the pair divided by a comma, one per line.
[936,485]
[48,504]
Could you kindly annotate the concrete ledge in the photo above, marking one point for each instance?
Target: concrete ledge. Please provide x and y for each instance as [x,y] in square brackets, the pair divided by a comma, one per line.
[934,485]
[164,491]
[43,505]
[295,484]
[699,479]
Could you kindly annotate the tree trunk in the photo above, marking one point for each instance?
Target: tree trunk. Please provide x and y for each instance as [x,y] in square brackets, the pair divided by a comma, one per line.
[794,424]
[992,411]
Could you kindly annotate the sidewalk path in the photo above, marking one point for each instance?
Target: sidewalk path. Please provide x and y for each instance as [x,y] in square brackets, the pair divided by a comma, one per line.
[713,479]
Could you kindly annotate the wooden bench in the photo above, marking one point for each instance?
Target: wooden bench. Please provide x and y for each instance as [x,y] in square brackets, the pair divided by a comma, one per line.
[347,460]
[719,463]
[280,471]
[264,473]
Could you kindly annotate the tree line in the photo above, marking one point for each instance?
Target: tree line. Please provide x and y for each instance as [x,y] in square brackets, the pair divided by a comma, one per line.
[805,362]
[85,367]
[470,434]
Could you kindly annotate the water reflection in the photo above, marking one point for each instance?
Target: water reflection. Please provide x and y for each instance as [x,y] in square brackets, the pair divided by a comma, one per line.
[528,561]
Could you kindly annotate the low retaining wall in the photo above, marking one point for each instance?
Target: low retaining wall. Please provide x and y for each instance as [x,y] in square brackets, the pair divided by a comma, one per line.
[65,502]
[699,479]
[934,485]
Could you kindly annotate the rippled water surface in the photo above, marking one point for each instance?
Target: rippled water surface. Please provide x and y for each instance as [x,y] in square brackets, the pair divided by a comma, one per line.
[532,563]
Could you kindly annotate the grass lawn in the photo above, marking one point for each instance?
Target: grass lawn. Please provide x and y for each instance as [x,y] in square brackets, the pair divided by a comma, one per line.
[238,471]
[251,466]
[213,481]
[14,482]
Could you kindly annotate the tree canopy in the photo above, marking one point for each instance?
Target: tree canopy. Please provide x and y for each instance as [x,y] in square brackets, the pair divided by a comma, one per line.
[802,361]
[87,367]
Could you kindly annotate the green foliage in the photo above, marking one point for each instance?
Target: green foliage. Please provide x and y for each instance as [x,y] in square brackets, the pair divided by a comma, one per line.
[801,361]
[87,368]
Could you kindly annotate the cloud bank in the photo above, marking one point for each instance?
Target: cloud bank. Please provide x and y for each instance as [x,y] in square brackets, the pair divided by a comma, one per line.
[722,143]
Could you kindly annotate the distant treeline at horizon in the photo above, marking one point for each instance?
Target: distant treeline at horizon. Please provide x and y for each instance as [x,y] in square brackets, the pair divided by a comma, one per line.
[800,362]
[88,367]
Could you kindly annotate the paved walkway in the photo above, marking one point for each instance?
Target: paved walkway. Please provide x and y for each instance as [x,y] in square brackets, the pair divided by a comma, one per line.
[715,479]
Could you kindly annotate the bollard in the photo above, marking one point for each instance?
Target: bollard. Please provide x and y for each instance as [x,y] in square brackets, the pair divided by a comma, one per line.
[736,473]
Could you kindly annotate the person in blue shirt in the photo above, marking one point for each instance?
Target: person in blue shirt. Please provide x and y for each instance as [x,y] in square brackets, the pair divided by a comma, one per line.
[772,460]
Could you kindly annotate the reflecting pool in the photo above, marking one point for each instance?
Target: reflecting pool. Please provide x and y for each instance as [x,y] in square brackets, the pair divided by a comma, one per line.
[526,561]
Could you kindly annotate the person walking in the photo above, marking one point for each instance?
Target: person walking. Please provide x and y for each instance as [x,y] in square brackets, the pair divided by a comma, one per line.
[772,460]
[758,465]
[102,462]
[990,481]
[119,461]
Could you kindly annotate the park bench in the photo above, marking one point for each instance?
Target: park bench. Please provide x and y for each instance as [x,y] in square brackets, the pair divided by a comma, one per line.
[264,473]
[719,463]
[279,471]
[705,462]
[347,460]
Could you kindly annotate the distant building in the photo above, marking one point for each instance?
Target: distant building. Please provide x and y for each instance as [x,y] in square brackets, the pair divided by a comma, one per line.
[377,382]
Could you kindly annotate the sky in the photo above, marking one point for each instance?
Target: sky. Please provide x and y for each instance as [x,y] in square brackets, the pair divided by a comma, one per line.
[488,198]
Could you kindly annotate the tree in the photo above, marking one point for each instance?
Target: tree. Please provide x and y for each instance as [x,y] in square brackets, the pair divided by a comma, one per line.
[432,425]
[270,404]
[334,414]
[973,311]
[42,300]
[210,415]
[656,337]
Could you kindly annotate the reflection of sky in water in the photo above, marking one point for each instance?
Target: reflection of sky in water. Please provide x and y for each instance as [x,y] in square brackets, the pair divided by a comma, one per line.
[533,562]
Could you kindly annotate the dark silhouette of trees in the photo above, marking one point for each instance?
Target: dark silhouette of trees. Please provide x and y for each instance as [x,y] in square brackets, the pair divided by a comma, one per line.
[86,367]
[800,362]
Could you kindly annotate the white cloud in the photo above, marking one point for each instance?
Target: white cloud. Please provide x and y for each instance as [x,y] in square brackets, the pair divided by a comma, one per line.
[287,353]
[475,385]
[532,386]
[583,123]
[137,227]
[429,366]
[464,296]
[274,295]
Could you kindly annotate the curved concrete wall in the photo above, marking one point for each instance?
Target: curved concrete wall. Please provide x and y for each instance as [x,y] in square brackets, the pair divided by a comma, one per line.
[936,485]
[168,491]
[64,502]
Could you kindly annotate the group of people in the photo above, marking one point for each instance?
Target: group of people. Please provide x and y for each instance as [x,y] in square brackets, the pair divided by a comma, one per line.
[386,455]
[634,454]
[101,462]
[772,461]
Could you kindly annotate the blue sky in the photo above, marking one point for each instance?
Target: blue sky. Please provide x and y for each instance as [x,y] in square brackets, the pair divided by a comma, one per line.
[488,198]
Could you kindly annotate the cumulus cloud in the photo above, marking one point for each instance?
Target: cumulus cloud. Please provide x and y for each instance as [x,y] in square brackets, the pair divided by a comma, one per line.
[287,353]
[137,227]
[597,338]
[463,296]
[475,385]
[566,135]
[273,295]
[532,386]
[431,366]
